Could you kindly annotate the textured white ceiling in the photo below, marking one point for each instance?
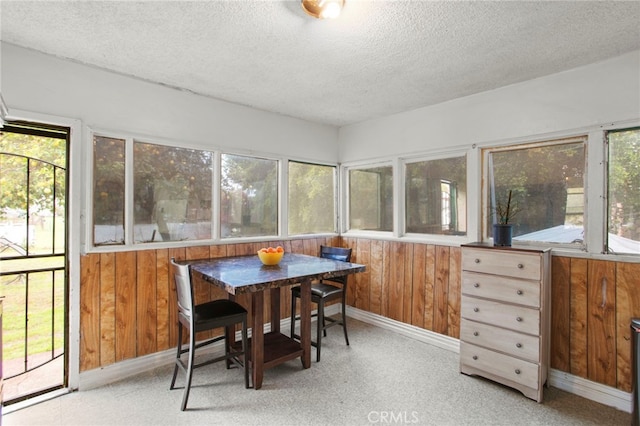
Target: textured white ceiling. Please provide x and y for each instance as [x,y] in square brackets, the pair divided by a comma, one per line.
[378,58]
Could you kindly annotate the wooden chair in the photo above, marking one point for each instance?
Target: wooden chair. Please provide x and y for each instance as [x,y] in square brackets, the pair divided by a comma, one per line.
[202,317]
[322,292]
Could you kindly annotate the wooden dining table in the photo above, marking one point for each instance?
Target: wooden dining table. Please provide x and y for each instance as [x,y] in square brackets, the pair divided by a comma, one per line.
[247,275]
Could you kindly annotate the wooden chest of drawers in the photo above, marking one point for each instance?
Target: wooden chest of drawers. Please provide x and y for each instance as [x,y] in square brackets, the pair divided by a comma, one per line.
[504,329]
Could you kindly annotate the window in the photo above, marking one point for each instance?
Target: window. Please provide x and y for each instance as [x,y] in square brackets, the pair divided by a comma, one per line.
[371,199]
[248,196]
[172,193]
[624,191]
[435,196]
[311,198]
[547,185]
[108,190]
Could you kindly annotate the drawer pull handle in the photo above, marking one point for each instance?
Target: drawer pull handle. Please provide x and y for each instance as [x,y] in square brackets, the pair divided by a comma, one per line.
[477,260]
[518,345]
[475,357]
[519,319]
[519,292]
[476,285]
[517,371]
[520,266]
[475,309]
[475,333]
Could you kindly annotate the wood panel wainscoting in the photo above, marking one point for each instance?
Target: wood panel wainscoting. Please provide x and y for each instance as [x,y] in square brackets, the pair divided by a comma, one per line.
[592,302]
[128,300]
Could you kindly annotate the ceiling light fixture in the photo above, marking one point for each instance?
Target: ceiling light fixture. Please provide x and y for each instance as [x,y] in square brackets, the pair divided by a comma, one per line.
[322,9]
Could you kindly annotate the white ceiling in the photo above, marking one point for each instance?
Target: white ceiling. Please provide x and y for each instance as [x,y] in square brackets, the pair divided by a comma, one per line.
[378,58]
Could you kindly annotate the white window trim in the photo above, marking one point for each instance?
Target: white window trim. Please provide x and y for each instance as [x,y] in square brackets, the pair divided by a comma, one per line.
[595,191]
[217,152]
[285,222]
[344,228]
[402,202]
[486,236]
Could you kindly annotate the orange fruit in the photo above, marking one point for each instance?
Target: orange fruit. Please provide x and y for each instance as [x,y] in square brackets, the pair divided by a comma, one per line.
[271,250]
[264,250]
[279,249]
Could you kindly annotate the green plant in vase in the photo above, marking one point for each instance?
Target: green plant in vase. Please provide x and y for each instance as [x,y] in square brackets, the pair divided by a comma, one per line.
[503,228]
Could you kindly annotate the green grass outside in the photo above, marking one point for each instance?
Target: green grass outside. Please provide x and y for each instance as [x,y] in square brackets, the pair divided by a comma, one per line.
[46,297]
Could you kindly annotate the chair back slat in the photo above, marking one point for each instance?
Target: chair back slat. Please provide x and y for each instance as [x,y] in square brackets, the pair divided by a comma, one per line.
[183,287]
[336,253]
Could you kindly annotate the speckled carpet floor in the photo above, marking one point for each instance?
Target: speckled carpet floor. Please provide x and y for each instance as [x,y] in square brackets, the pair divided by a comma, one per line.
[382,378]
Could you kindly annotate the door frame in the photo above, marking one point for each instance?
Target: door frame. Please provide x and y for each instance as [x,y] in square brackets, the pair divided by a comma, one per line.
[74,227]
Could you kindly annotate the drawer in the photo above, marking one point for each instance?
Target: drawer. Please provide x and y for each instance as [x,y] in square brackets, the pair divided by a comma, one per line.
[513,317]
[506,289]
[499,262]
[514,369]
[510,342]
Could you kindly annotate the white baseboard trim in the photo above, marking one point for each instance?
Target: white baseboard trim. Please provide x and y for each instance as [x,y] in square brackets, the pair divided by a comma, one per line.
[573,384]
[606,395]
[593,391]
[435,339]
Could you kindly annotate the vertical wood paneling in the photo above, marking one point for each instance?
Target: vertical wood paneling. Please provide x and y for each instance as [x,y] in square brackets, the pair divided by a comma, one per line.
[418,285]
[362,294]
[386,277]
[217,251]
[128,300]
[89,312]
[244,249]
[429,286]
[375,268]
[601,357]
[407,284]
[126,317]
[297,246]
[561,313]
[107,308]
[146,302]
[578,340]
[453,299]
[396,281]
[627,307]
[441,291]
[310,247]
[163,289]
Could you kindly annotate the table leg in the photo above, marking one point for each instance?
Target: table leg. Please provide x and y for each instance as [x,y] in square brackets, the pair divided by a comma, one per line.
[257,338]
[305,322]
[275,310]
[230,335]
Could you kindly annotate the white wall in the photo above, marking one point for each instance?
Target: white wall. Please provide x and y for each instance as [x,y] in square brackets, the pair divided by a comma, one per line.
[593,95]
[32,81]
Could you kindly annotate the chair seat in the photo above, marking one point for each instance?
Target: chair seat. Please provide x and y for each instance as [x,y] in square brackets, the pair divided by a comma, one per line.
[217,309]
[321,290]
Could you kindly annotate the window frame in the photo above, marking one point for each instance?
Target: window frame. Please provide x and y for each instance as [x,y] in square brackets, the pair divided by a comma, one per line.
[335,197]
[216,152]
[443,155]
[346,217]
[606,178]
[279,193]
[523,145]
[90,233]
